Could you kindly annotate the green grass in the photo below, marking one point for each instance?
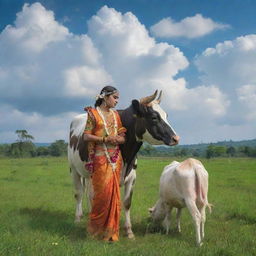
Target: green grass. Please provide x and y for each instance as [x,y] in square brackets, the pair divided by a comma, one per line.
[37,212]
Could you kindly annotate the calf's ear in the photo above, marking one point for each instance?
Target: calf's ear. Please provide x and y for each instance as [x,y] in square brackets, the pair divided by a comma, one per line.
[150,210]
[137,107]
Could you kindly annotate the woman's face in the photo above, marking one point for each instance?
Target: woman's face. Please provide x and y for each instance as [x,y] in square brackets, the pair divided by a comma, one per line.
[112,100]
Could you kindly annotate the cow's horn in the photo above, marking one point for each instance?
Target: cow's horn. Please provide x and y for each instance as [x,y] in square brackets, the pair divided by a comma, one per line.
[148,99]
[159,97]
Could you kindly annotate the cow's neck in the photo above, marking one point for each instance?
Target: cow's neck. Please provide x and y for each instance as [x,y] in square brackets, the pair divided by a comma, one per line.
[131,146]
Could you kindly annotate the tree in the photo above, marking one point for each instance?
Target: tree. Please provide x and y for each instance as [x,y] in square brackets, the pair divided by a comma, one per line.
[24,146]
[210,151]
[42,151]
[22,149]
[177,151]
[58,148]
[249,151]
[231,151]
[215,151]
[184,152]
[4,149]
[220,150]
[196,152]
[24,136]
[147,150]
[253,152]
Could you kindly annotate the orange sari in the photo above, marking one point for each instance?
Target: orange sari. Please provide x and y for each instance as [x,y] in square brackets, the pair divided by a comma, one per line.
[106,204]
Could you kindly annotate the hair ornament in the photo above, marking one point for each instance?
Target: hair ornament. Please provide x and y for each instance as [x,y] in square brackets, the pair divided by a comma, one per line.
[100,96]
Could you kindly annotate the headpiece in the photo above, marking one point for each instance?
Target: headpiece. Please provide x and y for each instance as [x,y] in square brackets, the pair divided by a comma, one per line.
[104,93]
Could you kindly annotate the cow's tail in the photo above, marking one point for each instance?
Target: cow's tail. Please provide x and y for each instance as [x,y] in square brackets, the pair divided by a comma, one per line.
[201,186]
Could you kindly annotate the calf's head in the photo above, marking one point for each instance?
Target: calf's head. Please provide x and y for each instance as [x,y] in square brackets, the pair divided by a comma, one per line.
[152,125]
[157,212]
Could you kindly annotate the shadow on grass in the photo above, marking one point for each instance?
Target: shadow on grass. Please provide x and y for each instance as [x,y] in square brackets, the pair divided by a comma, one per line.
[55,222]
[146,226]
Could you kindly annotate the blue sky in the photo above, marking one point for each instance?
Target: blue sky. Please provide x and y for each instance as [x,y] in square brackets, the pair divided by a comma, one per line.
[56,55]
[240,14]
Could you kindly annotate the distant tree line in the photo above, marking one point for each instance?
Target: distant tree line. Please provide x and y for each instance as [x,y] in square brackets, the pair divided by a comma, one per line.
[24,147]
[230,151]
[209,151]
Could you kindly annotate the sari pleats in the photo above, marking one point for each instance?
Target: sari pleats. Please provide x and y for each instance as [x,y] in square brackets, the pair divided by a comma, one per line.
[106,206]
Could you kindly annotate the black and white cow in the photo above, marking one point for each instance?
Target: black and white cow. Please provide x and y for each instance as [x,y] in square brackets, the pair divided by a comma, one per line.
[145,121]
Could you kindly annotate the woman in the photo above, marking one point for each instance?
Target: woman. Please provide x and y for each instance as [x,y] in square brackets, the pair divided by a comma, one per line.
[104,133]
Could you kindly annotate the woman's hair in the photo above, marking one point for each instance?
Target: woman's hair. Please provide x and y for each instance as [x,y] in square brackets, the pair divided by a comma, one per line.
[106,91]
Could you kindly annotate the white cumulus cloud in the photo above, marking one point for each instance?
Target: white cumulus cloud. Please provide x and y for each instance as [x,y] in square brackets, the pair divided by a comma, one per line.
[247,96]
[34,29]
[231,66]
[45,81]
[42,60]
[190,27]
[43,128]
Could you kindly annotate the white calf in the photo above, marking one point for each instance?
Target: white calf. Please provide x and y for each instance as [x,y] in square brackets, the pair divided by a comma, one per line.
[182,185]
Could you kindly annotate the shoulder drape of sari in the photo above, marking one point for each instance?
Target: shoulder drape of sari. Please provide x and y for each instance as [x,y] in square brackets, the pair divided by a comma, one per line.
[106,204]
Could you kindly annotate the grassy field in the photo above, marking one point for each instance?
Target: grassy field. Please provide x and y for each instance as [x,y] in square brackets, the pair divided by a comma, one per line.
[37,212]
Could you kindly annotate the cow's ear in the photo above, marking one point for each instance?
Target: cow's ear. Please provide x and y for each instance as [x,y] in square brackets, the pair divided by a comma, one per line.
[137,107]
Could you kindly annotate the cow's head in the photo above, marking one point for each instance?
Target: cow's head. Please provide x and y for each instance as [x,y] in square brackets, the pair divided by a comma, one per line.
[151,124]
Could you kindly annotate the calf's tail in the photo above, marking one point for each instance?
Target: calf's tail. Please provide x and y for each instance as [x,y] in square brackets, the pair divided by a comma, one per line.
[209,206]
[201,185]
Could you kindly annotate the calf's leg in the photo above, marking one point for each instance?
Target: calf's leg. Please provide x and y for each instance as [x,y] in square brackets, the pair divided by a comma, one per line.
[203,219]
[178,215]
[196,215]
[167,220]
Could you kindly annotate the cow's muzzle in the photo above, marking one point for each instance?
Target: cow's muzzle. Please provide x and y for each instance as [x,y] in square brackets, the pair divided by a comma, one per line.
[174,140]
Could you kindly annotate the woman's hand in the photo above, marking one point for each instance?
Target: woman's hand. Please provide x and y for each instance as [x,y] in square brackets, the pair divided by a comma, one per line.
[120,139]
[111,139]
[115,140]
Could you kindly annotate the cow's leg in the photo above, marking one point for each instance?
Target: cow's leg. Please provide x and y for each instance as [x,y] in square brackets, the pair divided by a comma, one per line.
[128,190]
[79,190]
[88,190]
[196,215]
[167,220]
[178,215]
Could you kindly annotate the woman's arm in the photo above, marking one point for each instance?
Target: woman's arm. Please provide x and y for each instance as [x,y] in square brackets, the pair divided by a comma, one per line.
[118,139]
[93,138]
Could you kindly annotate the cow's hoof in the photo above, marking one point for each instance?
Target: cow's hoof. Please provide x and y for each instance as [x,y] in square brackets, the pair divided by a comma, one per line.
[77,219]
[200,244]
[131,236]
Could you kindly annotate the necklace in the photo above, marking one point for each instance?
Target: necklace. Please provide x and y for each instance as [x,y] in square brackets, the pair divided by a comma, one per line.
[113,163]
